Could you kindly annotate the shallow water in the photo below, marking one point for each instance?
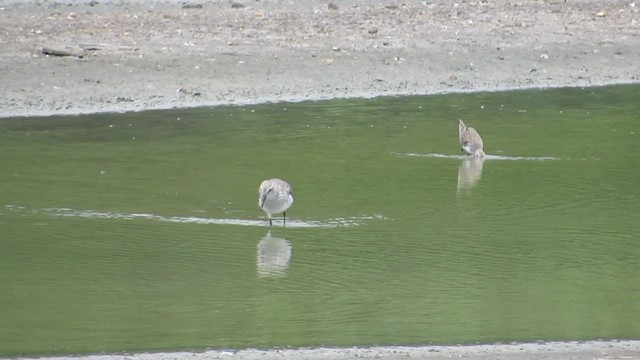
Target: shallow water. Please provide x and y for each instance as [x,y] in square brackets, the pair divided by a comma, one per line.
[141,231]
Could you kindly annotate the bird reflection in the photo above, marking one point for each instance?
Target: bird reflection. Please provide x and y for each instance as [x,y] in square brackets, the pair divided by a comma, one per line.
[273,256]
[469,172]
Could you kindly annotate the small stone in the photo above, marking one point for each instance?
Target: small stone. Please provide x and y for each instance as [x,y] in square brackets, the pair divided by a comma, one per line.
[544,56]
[373,31]
[191,6]
[601,14]
[453,77]
[333,6]
[237,5]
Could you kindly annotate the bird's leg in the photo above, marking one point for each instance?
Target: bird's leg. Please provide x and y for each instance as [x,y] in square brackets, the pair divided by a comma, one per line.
[284,218]
[270,222]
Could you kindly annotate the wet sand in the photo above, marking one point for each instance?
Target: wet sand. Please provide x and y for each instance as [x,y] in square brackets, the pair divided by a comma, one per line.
[72,57]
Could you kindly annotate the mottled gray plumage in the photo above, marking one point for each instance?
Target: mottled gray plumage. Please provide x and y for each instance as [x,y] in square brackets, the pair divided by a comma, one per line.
[275,196]
[470,140]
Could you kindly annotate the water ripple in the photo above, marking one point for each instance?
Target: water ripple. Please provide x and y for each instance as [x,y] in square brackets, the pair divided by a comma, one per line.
[292,223]
[488,157]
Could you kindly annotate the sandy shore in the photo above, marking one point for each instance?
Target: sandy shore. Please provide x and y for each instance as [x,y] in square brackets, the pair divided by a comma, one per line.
[132,55]
[590,350]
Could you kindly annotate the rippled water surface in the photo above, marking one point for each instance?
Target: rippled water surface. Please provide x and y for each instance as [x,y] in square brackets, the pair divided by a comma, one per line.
[141,231]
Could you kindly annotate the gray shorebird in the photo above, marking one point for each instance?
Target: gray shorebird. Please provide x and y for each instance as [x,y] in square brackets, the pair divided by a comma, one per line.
[275,196]
[470,140]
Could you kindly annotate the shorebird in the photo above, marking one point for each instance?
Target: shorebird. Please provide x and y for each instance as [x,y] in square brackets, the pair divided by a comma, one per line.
[470,140]
[275,196]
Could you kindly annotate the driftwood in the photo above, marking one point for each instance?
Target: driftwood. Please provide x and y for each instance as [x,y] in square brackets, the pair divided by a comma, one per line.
[82,50]
[63,50]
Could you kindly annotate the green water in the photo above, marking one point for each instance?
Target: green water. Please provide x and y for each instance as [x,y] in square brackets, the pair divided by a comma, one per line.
[141,231]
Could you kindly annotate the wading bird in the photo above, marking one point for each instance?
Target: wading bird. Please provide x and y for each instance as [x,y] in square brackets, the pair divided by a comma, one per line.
[470,140]
[275,196]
